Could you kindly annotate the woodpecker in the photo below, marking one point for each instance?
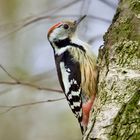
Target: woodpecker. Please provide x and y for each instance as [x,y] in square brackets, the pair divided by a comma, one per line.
[76,68]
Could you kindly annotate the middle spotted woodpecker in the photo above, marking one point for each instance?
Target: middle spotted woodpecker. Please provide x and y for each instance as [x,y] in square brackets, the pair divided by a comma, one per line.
[76,68]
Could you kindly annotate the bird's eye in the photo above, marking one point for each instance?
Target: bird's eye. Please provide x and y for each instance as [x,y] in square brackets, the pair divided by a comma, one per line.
[66,26]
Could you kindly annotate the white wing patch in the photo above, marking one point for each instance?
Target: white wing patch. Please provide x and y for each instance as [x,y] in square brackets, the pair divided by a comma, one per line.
[76,93]
[74,104]
[68,70]
[59,51]
[73,82]
[65,76]
[70,96]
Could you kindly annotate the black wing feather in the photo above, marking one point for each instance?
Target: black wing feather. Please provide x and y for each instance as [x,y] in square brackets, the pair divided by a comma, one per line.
[74,75]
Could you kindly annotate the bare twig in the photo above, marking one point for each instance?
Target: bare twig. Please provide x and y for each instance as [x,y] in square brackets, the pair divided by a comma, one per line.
[11,107]
[18,82]
[85,7]
[28,21]
[11,76]
[50,15]
[30,85]
[40,18]
[84,11]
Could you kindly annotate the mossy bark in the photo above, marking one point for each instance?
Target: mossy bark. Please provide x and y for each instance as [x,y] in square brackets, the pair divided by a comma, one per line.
[116,110]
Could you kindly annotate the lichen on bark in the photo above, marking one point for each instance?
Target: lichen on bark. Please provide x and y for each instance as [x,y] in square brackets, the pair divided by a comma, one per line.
[126,124]
[116,113]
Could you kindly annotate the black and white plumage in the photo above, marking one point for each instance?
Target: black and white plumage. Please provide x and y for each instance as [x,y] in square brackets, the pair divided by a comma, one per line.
[76,68]
[70,80]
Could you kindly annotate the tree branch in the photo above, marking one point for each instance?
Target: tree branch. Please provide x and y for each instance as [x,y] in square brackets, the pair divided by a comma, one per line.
[18,82]
[27,21]
[50,14]
[11,107]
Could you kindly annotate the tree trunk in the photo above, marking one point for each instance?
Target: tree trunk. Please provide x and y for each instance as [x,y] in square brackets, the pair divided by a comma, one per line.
[116,110]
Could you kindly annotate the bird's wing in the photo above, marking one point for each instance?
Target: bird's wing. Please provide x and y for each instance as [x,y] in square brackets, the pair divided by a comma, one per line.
[70,80]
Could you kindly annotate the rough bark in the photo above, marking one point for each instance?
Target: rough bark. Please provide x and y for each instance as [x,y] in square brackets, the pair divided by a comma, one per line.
[116,110]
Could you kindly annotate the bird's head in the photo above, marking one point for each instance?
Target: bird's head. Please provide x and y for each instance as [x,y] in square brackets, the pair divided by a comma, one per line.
[63,30]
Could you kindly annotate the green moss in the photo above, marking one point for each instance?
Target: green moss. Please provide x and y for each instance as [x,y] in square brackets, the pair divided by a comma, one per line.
[114,137]
[122,51]
[103,98]
[135,6]
[128,120]
[123,28]
[125,23]
[127,52]
[136,136]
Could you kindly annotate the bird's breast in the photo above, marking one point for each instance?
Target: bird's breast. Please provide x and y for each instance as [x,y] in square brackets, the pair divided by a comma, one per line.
[88,70]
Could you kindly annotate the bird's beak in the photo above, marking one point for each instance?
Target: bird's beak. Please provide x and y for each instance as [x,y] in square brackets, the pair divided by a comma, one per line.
[79,20]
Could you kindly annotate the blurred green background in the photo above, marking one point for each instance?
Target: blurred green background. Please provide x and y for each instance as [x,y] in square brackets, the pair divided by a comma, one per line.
[26,54]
